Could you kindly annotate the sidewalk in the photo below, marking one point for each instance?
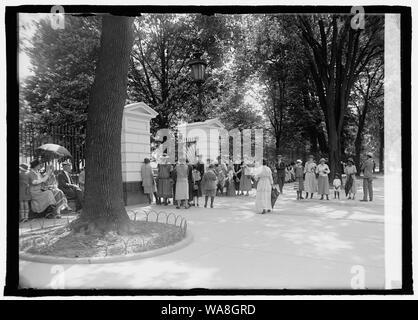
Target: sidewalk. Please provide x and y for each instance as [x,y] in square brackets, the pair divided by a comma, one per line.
[305,244]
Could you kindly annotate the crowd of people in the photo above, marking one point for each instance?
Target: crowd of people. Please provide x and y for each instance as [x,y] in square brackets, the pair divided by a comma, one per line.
[41,190]
[44,191]
[185,183]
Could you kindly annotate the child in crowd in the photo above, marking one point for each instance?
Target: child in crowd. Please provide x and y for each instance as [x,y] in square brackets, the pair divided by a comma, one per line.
[337,186]
[24,194]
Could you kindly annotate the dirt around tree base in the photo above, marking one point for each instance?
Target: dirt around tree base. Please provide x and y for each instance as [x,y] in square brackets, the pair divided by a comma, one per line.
[62,242]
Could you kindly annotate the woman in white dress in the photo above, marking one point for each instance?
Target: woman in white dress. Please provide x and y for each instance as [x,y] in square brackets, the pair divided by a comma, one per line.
[323,184]
[41,199]
[311,184]
[288,175]
[182,184]
[264,184]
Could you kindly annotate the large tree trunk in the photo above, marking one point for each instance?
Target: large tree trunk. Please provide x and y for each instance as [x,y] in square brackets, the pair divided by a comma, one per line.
[358,143]
[381,147]
[334,153]
[278,134]
[104,208]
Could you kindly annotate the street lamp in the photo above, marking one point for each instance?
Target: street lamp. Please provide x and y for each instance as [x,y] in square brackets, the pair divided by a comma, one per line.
[198,68]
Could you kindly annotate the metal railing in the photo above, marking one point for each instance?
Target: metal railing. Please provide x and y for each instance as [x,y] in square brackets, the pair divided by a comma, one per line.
[35,233]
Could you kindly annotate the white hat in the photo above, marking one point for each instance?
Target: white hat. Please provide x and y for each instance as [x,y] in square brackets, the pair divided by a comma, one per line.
[299,161]
[370,154]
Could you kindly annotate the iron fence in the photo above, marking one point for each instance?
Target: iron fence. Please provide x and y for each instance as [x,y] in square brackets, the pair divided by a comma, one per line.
[33,135]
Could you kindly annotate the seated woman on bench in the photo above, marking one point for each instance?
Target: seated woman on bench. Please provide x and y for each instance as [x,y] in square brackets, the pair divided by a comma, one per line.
[40,199]
[52,184]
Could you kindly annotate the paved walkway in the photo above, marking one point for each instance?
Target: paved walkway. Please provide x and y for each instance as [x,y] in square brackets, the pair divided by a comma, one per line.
[306,244]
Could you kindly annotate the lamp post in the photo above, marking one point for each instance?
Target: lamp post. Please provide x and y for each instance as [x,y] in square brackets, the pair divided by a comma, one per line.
[198,68]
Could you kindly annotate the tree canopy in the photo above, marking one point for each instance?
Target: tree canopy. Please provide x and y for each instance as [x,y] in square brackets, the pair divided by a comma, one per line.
[312,82]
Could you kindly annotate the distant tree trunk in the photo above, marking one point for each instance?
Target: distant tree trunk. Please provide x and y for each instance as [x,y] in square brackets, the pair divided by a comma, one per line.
[322,141]
[381,146]
[358,143]
[278,136]
[334,156]
[104,208]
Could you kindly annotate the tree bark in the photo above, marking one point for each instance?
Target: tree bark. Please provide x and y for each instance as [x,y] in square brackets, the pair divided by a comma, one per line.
[278,140]
[104,208]
[381,146]
[360,130]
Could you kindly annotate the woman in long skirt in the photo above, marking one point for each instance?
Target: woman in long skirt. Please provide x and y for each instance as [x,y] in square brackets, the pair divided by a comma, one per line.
[288,176]
[245,181]
[299,179]
[40,199]
[209,184]
[165,183]
[237,176]
[191,183]
[182,184]
[311,184]
[350,171]
[197,190]
[60,198]
[231,185]
[323,184]
[264,184]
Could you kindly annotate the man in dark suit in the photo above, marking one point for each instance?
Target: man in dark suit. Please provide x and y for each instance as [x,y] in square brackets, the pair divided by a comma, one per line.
[65,183]
[281,173]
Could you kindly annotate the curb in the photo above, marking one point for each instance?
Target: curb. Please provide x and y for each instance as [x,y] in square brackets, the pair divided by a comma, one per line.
[120,258]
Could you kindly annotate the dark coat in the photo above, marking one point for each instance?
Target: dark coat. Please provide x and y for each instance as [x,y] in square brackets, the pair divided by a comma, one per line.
[281,169]
[65,185]
[201,168]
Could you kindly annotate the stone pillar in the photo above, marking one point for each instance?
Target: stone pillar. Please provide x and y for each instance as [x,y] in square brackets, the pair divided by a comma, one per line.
[136,145]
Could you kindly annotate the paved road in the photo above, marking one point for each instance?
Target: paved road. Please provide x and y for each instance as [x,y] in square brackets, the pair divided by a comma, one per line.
[306,244]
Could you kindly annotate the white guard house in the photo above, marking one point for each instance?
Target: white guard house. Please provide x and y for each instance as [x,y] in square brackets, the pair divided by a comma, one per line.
[136,145]
[206,134]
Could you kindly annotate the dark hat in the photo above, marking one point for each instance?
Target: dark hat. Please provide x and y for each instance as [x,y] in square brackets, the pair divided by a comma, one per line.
[35,163]
[23,167]
[66,163]
[146,160]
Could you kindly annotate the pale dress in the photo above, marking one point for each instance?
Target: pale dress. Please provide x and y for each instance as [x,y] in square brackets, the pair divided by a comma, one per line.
[311,183]
[182,183]
[323,183]
[264,185]
[40,199]
[351,170]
